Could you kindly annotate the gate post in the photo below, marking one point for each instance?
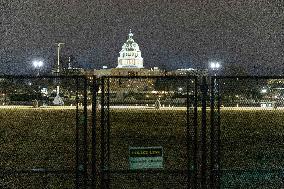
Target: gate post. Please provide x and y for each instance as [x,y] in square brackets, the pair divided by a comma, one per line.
[212,135]
[94,133]
[203,172]
[105,132]
[215,131]
[195,138]
[78,181]
[218,136]
[85,132]
[102,166]
[81,137]
[191,136]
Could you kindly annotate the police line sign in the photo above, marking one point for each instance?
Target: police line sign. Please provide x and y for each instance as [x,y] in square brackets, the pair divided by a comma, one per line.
[146,157]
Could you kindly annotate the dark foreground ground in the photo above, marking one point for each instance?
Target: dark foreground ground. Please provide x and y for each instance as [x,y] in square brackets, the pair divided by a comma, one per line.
[251,141]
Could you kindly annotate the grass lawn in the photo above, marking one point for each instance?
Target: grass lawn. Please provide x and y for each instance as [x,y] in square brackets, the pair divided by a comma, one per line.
[36,139]
[252,148]
[45,138]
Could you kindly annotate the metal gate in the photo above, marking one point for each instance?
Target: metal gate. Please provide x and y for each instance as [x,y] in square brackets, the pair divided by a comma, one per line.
[138,114]
[43,145]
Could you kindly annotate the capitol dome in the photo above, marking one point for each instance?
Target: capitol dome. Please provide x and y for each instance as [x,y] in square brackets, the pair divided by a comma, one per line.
[130,54]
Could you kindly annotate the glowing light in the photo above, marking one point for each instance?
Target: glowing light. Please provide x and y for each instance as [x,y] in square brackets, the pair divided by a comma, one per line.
[37,64]
[215,65]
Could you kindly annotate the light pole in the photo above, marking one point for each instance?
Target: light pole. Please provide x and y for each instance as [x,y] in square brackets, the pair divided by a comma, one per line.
[58,63]
[58,100]
[58,56]
[37,65]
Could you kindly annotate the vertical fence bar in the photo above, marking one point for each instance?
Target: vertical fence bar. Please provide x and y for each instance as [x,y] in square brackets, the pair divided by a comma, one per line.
[188,138]
[94,132]
[102,167]
[85,145]
[77,135]
[218,163]
[212,134]
[195,125]
[203,174]
[108,133]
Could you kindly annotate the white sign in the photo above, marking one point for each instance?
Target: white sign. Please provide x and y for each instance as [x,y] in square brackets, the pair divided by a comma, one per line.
[146,157]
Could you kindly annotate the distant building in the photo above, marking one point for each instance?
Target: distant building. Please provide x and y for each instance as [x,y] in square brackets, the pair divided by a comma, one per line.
[189,71]
[130,63]
[130,55]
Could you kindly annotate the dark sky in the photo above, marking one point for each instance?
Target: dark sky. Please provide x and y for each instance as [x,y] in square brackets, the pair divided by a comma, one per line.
[171,34]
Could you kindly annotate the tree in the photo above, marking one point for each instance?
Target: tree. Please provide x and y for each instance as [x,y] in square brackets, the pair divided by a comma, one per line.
[235,70]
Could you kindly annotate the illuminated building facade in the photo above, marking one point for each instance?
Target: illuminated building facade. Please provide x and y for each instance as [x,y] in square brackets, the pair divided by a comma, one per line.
[130,55]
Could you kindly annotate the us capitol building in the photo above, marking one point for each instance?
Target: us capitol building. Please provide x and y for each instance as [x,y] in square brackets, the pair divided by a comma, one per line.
[130,55]
[130,63]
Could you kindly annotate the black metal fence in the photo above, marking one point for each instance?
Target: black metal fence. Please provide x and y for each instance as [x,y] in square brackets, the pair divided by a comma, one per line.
[143,114]
[43,143]
[232,136]
[150,132]
[247,128]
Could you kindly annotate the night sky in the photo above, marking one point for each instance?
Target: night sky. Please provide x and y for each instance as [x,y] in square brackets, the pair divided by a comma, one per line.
[171,34]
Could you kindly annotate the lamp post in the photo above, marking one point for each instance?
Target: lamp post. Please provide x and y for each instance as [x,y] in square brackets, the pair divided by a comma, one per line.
[58,100]
[38,65]
[58,63]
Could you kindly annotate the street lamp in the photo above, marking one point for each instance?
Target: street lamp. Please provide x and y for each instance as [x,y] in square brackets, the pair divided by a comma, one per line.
[38,65]
[58,100]
[58,63]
